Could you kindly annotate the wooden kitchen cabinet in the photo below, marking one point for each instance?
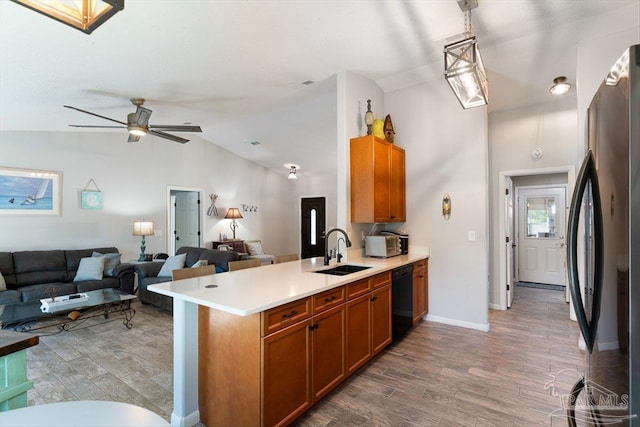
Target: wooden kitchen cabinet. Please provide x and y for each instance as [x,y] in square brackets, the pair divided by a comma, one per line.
[328,351]
[368,321]
[378,185]
[287,374]
[420,290]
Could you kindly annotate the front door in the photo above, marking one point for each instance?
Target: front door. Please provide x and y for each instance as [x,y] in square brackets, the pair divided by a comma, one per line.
[312,219]
[541,235]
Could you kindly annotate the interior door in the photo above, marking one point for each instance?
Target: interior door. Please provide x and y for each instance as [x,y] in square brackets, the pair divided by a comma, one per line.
[312,212]
[187,218]
[509,243]
[541,235]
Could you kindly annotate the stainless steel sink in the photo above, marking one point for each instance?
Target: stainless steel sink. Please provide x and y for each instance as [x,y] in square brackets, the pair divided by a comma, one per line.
[343,270]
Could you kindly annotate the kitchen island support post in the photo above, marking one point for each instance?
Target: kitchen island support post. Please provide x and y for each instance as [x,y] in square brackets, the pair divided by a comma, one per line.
[186,412]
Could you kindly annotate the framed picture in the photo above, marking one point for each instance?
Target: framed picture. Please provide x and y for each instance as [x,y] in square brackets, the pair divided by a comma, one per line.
[26,191]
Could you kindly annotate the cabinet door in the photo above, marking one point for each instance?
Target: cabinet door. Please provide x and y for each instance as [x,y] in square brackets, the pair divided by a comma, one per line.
[358,332]
[328,337]
[420,291]
[286,387]
[381,330]
[397,186]
[381,173]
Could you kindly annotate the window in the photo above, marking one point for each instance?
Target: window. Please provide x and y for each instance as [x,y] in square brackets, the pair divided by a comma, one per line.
[541,217]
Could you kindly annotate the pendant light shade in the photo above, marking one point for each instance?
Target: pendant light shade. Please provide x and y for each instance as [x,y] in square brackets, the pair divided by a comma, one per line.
[465,72]
[83,15]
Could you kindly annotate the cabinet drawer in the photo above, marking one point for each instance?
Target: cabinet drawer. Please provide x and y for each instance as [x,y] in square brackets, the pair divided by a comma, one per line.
[358,288]
[328,299]
[381,279]
[285,315]
[420,264]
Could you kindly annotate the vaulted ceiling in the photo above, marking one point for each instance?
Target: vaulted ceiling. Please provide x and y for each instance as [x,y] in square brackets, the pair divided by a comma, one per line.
[236,67]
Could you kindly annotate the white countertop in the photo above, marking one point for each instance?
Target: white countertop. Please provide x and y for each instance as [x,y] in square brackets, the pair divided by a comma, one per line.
[250,291]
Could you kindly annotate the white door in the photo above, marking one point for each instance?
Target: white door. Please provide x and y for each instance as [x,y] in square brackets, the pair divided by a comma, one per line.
[541,235]
[509,243]
[187,219]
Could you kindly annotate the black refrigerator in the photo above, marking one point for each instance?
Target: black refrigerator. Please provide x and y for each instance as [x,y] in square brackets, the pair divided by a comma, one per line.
[603,252]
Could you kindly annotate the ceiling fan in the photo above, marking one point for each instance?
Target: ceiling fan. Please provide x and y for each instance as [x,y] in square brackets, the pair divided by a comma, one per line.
[138,124]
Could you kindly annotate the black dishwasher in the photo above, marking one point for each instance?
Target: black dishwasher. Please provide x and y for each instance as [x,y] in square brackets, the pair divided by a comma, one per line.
[402,300]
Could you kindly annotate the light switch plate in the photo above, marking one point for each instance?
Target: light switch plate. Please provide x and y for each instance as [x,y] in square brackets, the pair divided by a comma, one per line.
[472,236]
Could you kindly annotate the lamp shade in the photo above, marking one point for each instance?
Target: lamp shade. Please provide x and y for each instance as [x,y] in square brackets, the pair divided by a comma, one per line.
[85,16]
[143,228]
[233,213]
[465,73]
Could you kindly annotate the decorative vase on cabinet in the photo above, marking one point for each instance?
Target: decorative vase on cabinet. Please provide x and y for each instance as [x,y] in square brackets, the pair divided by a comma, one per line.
[378,191]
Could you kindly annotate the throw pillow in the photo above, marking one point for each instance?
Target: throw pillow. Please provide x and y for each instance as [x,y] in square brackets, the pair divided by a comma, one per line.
[90,269]
[172,263]
[255,248]
[200,263]
[3,283]
[111,261]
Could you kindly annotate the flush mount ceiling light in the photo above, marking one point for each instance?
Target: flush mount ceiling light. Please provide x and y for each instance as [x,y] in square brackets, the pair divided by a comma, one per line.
[293,169]
[463,67]
[560,86]
[83,15]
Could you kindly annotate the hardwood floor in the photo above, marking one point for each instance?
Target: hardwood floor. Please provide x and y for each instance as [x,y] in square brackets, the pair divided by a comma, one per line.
[438,375]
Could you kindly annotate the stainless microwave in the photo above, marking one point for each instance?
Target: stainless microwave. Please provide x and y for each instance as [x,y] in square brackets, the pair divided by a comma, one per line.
[382,246]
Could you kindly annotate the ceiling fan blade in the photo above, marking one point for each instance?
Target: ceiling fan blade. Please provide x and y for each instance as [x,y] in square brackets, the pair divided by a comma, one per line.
[94,114]
[168,136]
[99,127]
[177,128]
[142,116]
[133,138]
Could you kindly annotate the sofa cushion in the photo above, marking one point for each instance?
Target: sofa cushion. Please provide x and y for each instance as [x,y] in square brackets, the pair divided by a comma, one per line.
[73,257]
[10,297]
[254,248]
[111,261]
[172,263]
[91,268]
[36,292]
[6,267]
[33,267]
[219,258]
[193,254]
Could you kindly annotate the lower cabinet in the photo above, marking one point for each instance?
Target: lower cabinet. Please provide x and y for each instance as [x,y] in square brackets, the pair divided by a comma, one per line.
[267,369]
[287,374]
[420,290]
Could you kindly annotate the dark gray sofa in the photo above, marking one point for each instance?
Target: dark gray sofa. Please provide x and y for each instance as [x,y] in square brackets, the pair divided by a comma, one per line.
[148,272]
[32,275]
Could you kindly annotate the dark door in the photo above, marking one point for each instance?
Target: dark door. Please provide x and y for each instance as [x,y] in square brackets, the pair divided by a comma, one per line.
[312,219]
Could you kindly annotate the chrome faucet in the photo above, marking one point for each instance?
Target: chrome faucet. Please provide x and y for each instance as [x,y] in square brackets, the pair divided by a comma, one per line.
[326,242]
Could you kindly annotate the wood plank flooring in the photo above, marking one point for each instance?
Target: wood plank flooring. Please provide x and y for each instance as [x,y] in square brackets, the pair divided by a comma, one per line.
[438,375]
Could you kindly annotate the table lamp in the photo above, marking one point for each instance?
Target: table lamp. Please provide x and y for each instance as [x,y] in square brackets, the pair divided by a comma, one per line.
[233,213]
[142,228]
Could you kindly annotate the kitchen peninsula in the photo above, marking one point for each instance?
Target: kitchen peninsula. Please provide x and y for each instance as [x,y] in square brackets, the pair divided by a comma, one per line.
[234,332]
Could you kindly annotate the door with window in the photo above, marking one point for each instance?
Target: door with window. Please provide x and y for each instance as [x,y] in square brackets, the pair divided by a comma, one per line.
[312,211]
[541,235]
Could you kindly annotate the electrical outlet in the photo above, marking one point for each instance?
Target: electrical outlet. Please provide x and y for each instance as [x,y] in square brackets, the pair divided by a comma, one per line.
[472,236]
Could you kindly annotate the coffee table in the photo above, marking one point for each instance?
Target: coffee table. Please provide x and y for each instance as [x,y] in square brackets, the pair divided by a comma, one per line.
[25,316]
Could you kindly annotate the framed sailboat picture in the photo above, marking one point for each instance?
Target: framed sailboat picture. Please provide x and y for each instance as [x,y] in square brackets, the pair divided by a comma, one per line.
[26,191]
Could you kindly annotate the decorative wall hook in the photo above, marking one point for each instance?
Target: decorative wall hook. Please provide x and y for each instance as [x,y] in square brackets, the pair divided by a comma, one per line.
[446,206]
[213,211]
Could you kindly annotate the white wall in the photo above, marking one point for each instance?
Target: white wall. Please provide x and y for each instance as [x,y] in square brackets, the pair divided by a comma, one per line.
[513,135]
[353,92]
[446,152]
[134,180]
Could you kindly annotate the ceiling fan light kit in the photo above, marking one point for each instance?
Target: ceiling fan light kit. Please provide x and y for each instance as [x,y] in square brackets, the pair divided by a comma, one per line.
[85,15]
[138,124]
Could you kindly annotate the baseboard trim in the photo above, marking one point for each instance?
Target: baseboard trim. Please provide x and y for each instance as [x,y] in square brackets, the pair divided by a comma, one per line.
[604,346]
[496,307]
[455,322]
[187,421]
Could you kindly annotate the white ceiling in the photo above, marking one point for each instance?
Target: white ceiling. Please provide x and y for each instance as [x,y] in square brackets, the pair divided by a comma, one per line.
[235,67]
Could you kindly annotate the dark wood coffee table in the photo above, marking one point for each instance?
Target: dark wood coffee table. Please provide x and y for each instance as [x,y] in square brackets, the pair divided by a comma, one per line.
[27,316]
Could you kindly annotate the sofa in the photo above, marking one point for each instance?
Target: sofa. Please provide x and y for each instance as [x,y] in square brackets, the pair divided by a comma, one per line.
[33,275]
[148,272]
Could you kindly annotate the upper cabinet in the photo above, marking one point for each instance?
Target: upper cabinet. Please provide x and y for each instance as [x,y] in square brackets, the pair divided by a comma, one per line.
[377,181]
